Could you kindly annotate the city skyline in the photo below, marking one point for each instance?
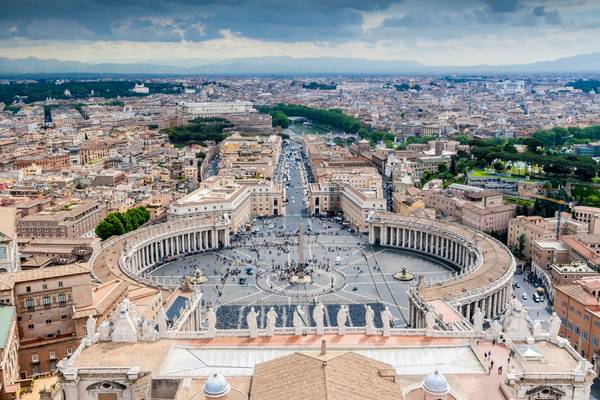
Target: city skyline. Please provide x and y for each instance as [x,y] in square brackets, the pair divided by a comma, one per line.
[191,33]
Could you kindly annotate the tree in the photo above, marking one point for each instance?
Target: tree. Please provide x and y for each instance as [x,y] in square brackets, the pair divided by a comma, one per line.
[115,224]
[442,168]
[280,119]
[104,230]
[453,166]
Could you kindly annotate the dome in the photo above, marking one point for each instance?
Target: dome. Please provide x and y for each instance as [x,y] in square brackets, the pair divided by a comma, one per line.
[216,386]
[436,383]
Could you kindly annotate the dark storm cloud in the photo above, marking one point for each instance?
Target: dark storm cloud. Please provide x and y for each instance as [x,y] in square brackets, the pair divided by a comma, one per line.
[282,20]
[173,20]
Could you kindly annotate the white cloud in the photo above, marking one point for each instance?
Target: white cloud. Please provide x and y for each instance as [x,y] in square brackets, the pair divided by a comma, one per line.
[516,46]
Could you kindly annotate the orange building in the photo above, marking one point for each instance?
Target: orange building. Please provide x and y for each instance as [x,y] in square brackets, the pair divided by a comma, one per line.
[578,307]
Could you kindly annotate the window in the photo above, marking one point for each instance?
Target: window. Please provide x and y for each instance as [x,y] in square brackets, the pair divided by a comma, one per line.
[29,303]
[48,321]
[45,286]
[594,341]
[28,289]
[576,330]
[63,316]
[46,301]
[62,298]
[60,284]
[35,358]
[584,335]
[569,325]
[52,355]
[31,326]
[69,351]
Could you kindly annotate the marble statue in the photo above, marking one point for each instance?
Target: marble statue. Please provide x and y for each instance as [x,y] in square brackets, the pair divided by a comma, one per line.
[370,320]
[149,332]
[298,321]
[161,320]
[430,320]
[478,317]
[554,325]
[496,328]
[104,331]
[537,329]
[90,328]
[386,318]
[516,323]
[318,314]
[341,318]
[211,317]
[271,321]
[125,325]
[252,322]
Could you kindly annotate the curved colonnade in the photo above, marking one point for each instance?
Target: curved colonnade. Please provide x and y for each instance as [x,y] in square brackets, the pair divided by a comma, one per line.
[484,266]
[152,247]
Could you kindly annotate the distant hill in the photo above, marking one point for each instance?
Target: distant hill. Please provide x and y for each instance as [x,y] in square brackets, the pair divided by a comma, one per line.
[288,65]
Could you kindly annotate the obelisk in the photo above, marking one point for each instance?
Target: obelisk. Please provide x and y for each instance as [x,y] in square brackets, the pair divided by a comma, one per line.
[300,266]
[299,275]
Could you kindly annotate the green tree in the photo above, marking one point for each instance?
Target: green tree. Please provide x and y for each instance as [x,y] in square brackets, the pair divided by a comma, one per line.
[104,230]
[280,119]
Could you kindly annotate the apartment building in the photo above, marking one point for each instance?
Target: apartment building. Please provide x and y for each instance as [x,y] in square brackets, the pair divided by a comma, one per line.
[344,183]
[578,307]
[355,204]
[472,206]
[536,228]
[240,199]
[67,221]
[588,215]
[48,162]
[250,156]
[45,301]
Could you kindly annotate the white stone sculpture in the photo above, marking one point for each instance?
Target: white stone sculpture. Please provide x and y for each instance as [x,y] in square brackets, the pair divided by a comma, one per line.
[104,331]
[341,318]
[370,320]
[554,325]
[537,329]
[161,320]
[430,320]
[149,332]
[298,321]
[495,328]
[271,321]
[318,315]
[211,317]
[125,325]
[516,322]
[90,328]
[386,318]
[252,322]
[478,317]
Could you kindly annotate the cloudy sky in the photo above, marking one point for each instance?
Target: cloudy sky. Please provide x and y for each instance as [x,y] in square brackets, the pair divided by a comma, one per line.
[434,32]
